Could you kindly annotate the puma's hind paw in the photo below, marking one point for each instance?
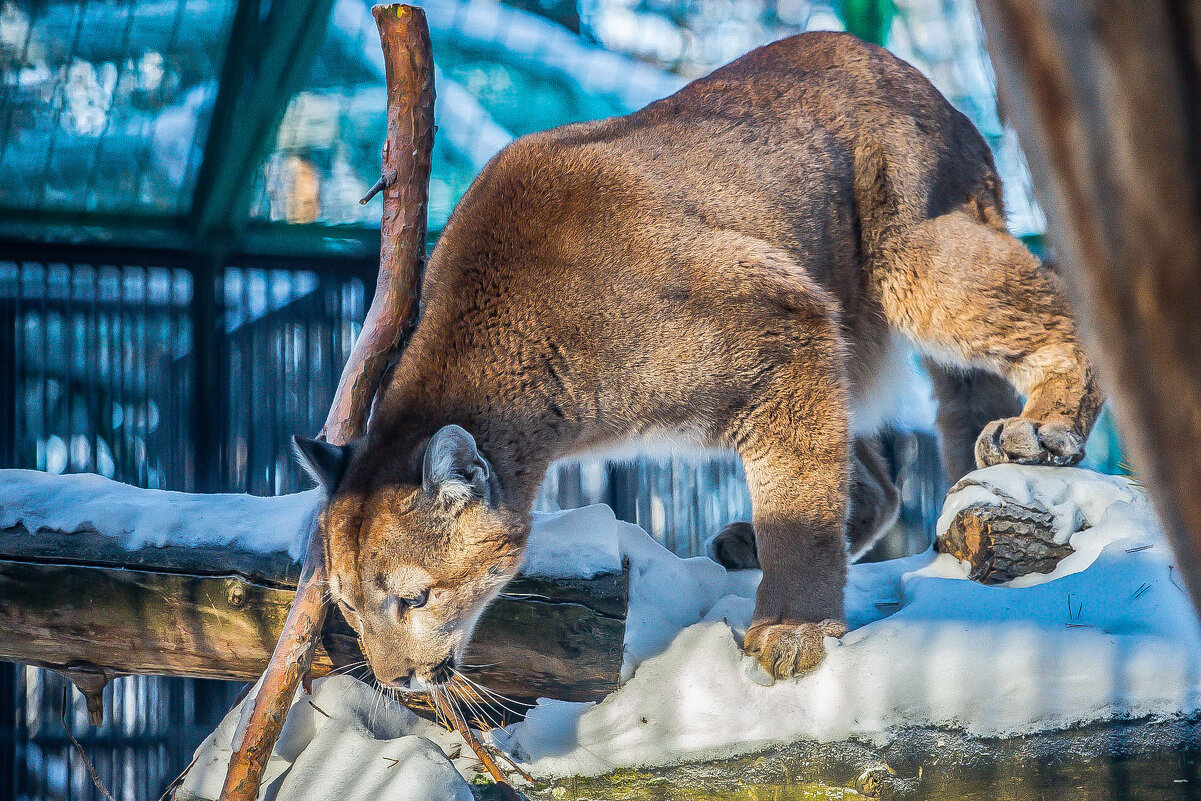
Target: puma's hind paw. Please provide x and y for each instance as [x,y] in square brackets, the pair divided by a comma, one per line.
[1024,441]
[790,649]
[734,547]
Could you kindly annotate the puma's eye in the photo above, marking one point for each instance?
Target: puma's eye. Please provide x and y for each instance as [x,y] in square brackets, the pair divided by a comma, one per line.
[415,601]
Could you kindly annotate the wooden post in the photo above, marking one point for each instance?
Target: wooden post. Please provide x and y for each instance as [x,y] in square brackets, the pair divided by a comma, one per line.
[1106,98]
[409,72]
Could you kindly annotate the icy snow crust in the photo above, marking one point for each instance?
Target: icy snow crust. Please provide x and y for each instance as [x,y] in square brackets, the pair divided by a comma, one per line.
[1109,634]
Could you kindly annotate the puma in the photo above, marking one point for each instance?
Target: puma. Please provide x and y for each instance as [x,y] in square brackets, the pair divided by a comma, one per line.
[736,266]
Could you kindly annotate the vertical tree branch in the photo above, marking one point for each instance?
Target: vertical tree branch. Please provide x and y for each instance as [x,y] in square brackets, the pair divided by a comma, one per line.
[409,70]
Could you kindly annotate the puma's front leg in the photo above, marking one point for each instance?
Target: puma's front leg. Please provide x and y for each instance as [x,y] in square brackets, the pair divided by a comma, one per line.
[796,460]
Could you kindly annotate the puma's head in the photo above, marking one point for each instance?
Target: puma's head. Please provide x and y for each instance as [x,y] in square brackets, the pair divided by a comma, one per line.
[413,565]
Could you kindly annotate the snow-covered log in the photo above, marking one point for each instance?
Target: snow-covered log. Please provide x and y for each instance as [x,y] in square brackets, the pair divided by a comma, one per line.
[102,577]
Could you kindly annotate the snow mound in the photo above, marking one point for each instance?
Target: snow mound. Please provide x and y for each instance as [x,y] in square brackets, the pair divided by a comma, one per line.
[344,741]
[1109,634]
[576,543]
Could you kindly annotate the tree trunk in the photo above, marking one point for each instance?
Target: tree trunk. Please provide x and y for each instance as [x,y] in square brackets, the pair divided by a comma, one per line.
[1106,98]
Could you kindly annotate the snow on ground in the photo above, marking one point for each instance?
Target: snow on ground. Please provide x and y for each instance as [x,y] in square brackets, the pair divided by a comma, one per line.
[343,742]
[1109,634]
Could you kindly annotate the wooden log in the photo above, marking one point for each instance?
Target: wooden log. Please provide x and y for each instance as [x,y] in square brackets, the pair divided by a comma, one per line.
[74,601]
[1105,99]
[1002,542]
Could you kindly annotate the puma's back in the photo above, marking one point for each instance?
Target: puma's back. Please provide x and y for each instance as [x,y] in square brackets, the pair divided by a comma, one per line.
[772,146]
[732,266]
[813,145]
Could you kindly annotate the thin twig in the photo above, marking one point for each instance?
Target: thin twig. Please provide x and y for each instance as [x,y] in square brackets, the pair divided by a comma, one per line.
[82,754]
[178,780]
[516,768]
[1171,569]
[385,180]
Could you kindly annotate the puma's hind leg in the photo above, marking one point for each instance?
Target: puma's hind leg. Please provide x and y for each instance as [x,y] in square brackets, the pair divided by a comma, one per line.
[969,400]
[971,295]
[873,506]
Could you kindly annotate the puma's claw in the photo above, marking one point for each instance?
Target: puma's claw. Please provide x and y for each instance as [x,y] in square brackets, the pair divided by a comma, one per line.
[790,649]
[1023,441]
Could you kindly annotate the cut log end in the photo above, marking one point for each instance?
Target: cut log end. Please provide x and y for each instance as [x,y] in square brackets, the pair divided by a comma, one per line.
[1003,542]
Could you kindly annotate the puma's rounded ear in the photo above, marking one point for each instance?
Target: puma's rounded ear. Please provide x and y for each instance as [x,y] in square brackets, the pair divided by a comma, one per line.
[454,470]
[326,463]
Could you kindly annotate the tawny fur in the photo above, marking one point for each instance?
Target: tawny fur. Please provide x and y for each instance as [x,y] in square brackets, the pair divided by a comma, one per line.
[732,261]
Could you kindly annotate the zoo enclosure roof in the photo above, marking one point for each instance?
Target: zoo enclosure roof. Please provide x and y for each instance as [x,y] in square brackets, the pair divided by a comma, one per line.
[255,126]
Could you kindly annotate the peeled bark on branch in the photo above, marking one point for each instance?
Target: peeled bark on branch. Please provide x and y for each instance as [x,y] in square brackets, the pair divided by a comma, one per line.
[408,147]
[1002,542]
[290,662]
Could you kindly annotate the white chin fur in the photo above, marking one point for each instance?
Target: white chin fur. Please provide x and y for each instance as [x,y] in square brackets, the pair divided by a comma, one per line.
[420,686]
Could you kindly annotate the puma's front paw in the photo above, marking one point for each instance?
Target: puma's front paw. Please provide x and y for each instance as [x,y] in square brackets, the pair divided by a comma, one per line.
[789,649]
[1024,441]
[734,547]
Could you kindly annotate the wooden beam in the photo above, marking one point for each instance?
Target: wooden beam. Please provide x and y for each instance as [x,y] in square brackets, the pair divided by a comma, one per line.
[78,599]
[1106,98]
